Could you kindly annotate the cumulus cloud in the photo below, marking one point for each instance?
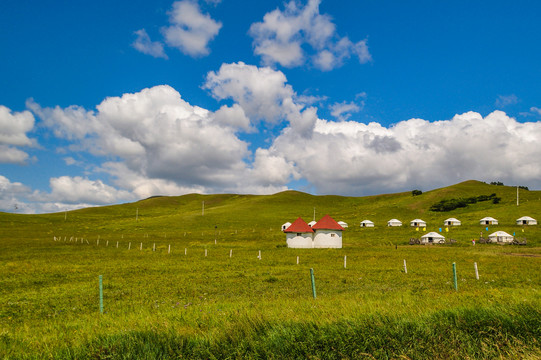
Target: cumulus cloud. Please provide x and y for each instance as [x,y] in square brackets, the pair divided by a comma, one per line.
[262,93]
[143,44]
[284,36]
[354,158]
[190,30]
[14,127]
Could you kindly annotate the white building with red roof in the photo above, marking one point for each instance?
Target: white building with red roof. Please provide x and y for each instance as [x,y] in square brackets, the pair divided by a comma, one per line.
[326,233]
[299,235]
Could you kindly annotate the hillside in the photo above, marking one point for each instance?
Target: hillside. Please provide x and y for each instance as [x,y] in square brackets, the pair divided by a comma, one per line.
[176,216]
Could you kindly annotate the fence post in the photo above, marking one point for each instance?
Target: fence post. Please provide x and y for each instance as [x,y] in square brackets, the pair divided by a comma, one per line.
[313,282]
[405,267]
[454,277]
[476,271]
[101,294]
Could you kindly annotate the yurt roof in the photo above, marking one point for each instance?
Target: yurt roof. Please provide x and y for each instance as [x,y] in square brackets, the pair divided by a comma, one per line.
[488,218]
[327,223]
[394,220]
[500,234]
[367,222]
[526,218]
[452,219]
[299,226]
[312,223]
[417,220]
[433,234]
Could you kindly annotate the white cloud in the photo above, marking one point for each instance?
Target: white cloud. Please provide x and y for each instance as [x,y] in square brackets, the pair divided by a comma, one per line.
[190,30]
[282,36]
[14,127]
[342,111]
[506,100]
[535,110]
[353,158]
[263,94]
[75,190]
[143,44]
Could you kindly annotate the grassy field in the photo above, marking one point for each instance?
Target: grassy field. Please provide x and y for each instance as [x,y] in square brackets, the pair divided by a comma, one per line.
[231,304]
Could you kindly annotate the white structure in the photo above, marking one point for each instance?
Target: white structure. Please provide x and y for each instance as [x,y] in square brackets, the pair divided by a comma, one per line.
[394,222]
[526,220]
[286,225]
[452,222]
[326,233]
[432,238]
[312,223]
[500,237]
[417,223]
[343,224]
[367,223]
[488,221]
[299,235]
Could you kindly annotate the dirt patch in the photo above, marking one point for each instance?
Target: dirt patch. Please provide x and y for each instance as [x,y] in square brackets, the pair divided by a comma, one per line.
[524,255]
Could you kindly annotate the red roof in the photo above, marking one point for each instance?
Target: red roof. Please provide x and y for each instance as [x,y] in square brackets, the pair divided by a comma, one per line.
[327,223]
[299,226]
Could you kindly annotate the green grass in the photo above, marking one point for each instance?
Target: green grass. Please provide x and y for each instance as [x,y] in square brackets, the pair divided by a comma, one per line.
[160,305]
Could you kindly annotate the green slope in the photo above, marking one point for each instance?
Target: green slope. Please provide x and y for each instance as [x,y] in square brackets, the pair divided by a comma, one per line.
[175,216]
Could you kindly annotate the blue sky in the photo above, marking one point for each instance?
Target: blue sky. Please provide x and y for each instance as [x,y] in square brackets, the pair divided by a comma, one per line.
[108,102]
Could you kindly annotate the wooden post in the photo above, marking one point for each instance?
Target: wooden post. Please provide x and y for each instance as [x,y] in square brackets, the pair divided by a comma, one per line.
[476,270]
[297,260]
[117,244]
[405,267]
[205,252]
[345,261]
[169,249]
[129,246]
[141,247]
[185,251]
[154,247]
[259,256]
[230,253]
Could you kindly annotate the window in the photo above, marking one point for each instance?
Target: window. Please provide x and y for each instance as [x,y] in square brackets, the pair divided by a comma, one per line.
[333,235]
[299,234]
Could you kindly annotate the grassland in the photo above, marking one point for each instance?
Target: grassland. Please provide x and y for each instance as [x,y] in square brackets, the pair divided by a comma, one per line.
[187,305]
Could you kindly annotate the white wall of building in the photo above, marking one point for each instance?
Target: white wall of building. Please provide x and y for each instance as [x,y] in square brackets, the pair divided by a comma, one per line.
[328,239]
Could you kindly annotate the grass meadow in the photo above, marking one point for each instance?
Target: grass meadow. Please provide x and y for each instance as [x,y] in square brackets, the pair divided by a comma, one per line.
[230,304]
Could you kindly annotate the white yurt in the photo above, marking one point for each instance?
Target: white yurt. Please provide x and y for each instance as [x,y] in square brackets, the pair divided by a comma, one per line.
[299,235]
[312,223]
[343,224]
[500,237]
[327,233]
[452,222]
[367,223]
[394,222]
[432,238]
[417,223]
[526,220]
[488,221]
[286,225]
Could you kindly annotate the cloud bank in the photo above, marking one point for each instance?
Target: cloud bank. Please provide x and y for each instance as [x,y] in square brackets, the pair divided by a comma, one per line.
[153,142]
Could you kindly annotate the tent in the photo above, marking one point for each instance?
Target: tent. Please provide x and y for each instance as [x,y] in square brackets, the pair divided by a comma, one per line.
[367,223]
[286,225]
[394,222]
[418,223]
[526,220]
[432,238]
[343,224]
[488,221]
[500,237]
[312,223]
[452,222]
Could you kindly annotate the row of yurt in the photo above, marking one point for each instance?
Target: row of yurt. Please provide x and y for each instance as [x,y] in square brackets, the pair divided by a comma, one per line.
[326,233]
[525,220]
[499,237]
